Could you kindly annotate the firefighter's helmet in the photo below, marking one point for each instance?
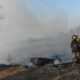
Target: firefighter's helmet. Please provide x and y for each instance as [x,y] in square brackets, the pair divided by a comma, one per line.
[74,37]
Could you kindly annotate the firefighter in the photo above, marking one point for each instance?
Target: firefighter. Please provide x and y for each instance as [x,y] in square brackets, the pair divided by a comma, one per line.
[75,45]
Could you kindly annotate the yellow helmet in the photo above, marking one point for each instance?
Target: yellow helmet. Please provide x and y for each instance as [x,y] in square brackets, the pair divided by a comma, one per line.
[74,37]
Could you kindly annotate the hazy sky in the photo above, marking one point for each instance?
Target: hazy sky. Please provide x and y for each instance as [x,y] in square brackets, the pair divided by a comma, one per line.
[46,8]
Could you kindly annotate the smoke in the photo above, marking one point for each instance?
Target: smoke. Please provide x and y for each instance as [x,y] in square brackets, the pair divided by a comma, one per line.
[19,24]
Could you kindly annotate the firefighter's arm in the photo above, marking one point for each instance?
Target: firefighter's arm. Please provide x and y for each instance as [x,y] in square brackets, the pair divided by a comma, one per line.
[73,47]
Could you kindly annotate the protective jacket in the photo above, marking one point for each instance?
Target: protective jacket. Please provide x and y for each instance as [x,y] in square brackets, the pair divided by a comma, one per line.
[75,45]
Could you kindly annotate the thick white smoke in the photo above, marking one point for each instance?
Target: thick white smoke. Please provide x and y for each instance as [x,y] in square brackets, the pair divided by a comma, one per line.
[20,23]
